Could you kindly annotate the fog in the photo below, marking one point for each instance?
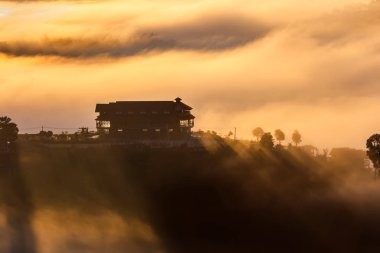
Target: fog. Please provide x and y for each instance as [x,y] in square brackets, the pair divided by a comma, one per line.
[231,197]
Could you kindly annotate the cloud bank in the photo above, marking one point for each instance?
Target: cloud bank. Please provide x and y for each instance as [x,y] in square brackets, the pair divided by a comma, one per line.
[208,35]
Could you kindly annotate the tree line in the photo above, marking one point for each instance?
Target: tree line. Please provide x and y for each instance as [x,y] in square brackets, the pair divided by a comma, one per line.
[266,138]
[9,132]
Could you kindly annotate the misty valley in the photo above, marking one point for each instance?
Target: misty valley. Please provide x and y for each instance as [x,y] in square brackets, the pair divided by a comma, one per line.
[228,197]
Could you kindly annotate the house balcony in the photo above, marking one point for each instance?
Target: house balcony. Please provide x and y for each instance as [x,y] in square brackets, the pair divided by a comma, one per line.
[101,124]
[189,123]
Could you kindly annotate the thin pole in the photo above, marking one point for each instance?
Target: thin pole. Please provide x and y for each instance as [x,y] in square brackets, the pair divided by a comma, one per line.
[235,134]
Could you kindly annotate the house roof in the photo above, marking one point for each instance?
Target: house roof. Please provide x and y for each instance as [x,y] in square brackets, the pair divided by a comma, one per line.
[142,106]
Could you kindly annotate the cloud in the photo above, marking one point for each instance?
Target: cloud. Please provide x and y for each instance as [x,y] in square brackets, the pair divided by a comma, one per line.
[206,35]
[257,74]
[358,22]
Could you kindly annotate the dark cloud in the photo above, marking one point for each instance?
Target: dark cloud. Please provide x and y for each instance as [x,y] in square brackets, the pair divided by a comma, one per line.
[215,34]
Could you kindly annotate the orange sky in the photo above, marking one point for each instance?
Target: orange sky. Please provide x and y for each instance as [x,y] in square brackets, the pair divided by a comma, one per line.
[289,64]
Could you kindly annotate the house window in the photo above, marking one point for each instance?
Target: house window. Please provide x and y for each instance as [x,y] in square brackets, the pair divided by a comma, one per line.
[120,130]
[142,112]
[170,130]
[157,130]
[184,123]
[166,112]
[145,130]
[103,124]
[154,112]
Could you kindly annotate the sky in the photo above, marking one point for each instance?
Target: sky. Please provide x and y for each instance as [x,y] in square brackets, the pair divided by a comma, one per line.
[288,64]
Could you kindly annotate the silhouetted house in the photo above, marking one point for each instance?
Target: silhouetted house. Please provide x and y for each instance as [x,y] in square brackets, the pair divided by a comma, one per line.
[145,119]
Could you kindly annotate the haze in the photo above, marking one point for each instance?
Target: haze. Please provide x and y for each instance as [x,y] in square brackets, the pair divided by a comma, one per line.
[311,66]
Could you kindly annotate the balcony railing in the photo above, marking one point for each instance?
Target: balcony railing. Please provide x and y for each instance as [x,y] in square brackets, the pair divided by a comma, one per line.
[186,123]
[100,124]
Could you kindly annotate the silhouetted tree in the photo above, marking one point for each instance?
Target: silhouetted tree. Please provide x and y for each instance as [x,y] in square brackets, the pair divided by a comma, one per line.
[296,137]
[280,136]
[8,131]
[266,141]
[373,151]
[258,132]
[46,134]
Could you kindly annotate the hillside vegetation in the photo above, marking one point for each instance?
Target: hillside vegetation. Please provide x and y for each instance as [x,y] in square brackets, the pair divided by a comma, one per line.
[228,198]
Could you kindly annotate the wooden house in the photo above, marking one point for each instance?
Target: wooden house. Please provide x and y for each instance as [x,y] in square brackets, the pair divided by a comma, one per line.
[145,119]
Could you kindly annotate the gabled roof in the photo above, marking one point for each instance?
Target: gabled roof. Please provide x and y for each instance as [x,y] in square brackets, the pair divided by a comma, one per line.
[141,106]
